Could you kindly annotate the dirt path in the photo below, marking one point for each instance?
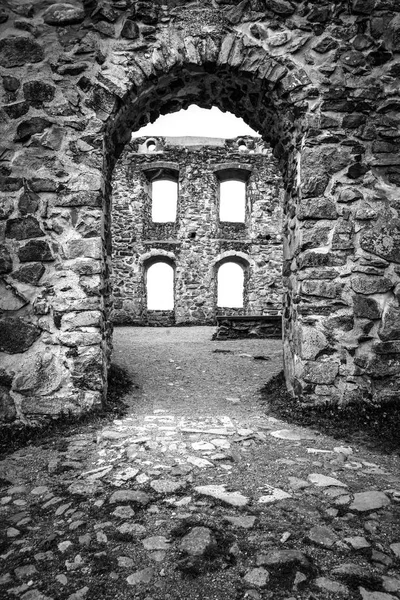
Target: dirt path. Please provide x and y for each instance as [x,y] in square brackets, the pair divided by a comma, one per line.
[182,370]
[193,496]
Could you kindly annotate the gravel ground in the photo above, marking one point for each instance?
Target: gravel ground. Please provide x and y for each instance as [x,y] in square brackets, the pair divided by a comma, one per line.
[181,369]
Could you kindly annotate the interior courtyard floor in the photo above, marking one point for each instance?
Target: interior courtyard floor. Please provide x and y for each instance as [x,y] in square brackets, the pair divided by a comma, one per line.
[197,492]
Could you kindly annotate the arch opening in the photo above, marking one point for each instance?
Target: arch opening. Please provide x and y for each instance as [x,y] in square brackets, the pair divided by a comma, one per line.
[230,285]
[266,101]
[160,286]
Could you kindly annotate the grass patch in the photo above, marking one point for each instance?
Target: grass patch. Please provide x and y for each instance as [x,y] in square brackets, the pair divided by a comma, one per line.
[19,435]
[376,427]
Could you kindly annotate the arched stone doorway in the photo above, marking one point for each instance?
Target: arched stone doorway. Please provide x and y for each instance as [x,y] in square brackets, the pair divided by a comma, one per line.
[334,136]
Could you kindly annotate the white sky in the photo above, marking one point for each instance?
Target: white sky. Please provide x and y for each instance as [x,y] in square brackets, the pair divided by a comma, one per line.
[196,121]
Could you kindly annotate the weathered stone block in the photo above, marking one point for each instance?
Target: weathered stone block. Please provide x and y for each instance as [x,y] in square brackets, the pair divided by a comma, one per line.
[7,406]
[23,228]
[321,259]
[371,285]
[71,199]
[280,7]
[366,308]
[6,208]
[130,30]
[325,44]
[31,273]
[10,184]
[384,242]
[312,342]
[17,51]
[350,195]
[41,375]
[392,347]
[31,126]
[17,335]
[83,248]
[321,372]
[75,320]
[323,288]
[5,260]
[315,237]
[10,298]
[16,110]
[87,371]
[63,13]
[85,266]
[38,92]
[28,202]
[317,208]
[390,327]
[35,251]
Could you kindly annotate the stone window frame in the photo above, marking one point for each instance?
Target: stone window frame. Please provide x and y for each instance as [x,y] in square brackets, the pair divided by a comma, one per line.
[163,170]
[148,260]
[233,171]
[247,264]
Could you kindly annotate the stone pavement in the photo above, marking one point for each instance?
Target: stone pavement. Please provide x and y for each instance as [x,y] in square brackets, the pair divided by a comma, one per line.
[161,505]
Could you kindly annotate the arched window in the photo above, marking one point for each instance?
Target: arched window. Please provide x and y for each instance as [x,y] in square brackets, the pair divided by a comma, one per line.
[230,285]
[164,196]
[232,201]
[160,286]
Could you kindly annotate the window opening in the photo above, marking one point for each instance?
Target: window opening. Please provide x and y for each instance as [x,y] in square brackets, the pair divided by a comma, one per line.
[164,195]
[230,285]
[232,201]
[160,287]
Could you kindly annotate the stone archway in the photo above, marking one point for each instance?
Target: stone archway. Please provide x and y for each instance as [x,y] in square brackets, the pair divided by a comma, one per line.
[308,78]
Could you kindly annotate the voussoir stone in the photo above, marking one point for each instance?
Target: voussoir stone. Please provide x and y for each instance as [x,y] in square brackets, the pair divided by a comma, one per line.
[17,51]
[129,496]
[369,501]
[63,13]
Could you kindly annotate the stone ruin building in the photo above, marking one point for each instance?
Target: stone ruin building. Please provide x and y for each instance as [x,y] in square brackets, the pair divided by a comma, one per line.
[199,235]
[318,80]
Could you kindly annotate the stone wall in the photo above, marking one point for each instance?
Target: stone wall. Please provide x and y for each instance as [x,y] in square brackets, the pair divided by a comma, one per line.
[317,79]
[198,241]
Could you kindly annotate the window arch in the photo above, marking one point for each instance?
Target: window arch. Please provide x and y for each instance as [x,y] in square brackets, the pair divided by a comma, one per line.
[160,286]
[232,201]
[164,200]
[232,178]
[230,285]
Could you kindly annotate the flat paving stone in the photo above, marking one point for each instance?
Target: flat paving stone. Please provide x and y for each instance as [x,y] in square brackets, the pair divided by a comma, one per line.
[257,577]
[244,522]
[129,496]
[219,493]
[197,541]
[141,576]
[156,542]
[369,501]
[166,486]
[321,480]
